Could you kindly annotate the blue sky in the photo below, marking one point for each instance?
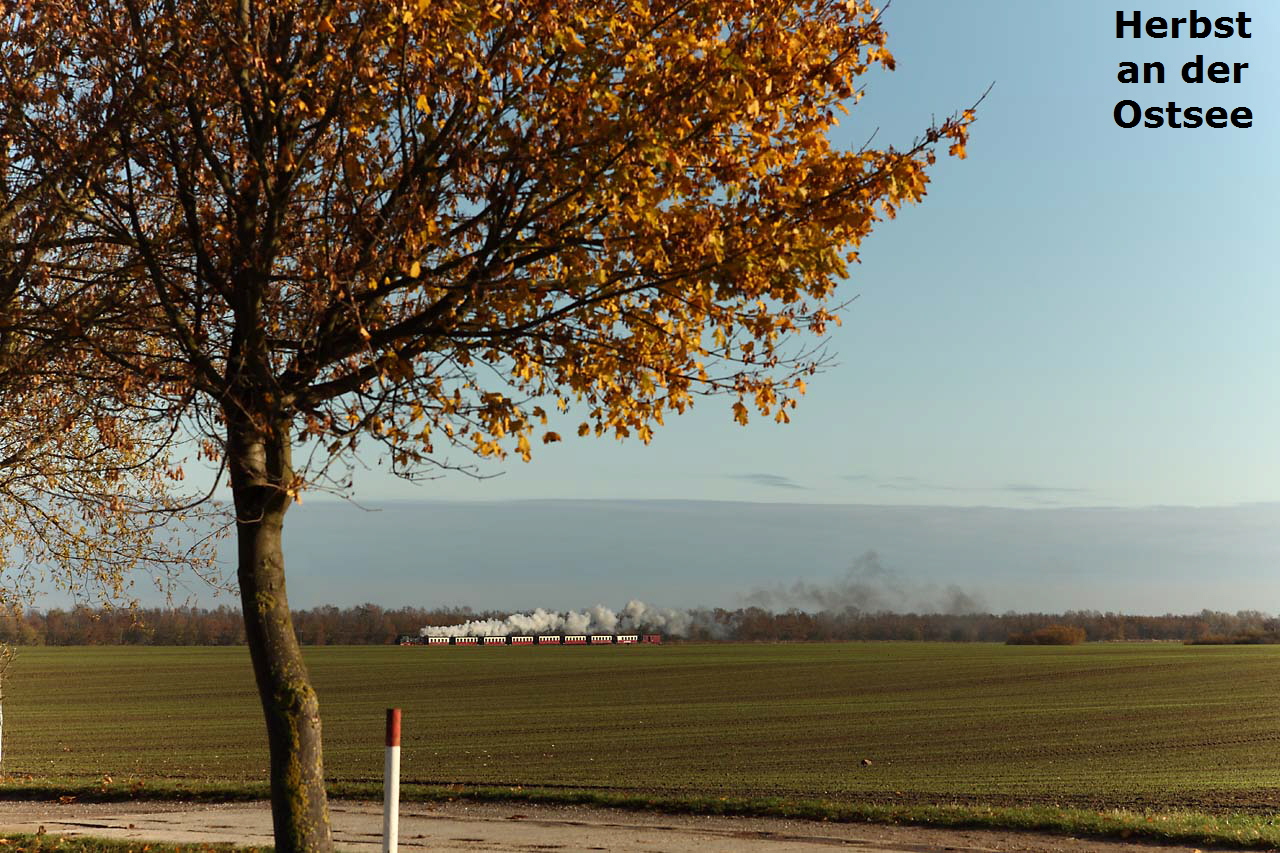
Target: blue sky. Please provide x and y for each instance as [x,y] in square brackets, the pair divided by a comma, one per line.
[1076,330]
[1077,315]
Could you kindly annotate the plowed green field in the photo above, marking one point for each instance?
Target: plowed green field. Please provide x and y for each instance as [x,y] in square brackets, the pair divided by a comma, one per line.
[1144,725]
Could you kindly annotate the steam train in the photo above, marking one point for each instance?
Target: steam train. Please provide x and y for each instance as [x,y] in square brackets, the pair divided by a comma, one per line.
[536,640]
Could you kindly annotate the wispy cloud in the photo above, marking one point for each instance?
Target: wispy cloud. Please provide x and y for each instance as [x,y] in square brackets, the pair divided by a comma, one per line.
[777,481]
[1033,488]
[916,484]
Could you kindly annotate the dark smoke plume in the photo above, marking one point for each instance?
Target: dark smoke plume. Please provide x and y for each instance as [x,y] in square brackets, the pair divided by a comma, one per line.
[867,587]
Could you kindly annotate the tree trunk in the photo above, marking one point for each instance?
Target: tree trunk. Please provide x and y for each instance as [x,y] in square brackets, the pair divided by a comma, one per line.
[261,472]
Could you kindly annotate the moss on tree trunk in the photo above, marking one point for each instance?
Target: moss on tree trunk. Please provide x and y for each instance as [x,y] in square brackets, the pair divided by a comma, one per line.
[260,474]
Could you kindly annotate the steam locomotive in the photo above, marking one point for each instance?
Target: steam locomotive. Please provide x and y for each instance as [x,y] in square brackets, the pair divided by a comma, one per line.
[536,640]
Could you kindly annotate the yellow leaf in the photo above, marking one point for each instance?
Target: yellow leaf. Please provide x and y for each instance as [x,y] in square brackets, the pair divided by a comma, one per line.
[415,270]
[423,104]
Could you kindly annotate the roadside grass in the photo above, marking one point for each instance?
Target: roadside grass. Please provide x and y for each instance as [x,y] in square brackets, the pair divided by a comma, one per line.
[1251,831]
[63,844]
[1156,741]
[1248,831]
[1238,830]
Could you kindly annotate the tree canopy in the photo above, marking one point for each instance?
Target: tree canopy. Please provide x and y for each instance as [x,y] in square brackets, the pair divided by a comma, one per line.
[89,495]
[431,211]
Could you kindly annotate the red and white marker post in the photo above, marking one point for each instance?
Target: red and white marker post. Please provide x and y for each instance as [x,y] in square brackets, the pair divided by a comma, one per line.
[391,784]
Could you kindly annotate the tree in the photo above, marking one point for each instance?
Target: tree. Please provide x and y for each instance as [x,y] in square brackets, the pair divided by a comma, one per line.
[426,223]
[86,484]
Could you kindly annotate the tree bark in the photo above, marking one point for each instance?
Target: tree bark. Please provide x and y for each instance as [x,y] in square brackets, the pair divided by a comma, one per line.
[261,472]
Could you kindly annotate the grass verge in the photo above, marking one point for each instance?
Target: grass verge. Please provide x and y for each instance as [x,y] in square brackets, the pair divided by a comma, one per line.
[1237,830]
[1252,831]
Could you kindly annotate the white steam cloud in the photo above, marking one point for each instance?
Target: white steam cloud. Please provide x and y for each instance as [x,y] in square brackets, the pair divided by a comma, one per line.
[636,618]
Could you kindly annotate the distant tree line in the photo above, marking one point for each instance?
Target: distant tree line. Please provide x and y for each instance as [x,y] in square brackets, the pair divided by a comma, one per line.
[1051,635]
[369,624]
[366,624]
[754,624]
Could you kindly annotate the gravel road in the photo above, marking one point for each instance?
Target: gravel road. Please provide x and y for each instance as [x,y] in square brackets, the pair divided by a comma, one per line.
[522,828]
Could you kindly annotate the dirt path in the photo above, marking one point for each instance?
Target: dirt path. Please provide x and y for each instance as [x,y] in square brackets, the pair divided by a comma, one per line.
[528,828]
